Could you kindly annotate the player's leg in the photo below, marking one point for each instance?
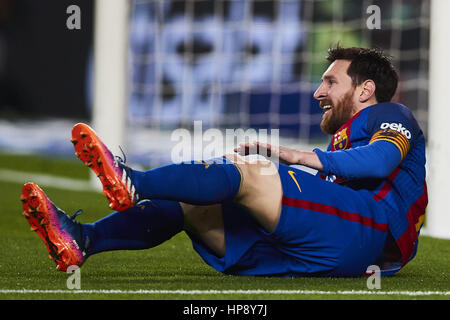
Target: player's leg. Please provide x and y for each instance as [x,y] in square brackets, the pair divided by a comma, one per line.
[69,242]
[205,223]
[150,223]
[254,185]
[260,191]
[337,230]
[323,229]
[190,182]
[146,225]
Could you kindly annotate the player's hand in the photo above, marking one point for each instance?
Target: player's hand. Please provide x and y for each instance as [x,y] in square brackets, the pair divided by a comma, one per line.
[285,155]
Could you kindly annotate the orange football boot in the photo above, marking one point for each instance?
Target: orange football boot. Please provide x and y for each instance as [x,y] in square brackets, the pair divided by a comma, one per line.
[60,233]
[111,170]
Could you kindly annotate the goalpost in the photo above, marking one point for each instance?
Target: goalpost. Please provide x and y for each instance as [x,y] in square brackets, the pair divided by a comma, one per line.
[110,87]
[438,176]
[114,82]
[109,117]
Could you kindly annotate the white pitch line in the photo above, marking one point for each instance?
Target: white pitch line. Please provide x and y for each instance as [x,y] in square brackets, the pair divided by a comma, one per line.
[46,180]
[225,292]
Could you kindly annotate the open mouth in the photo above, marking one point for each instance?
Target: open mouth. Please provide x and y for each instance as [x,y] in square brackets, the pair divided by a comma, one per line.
[326,107]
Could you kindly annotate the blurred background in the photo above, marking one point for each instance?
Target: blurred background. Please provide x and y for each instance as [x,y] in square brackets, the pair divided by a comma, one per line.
[232,64]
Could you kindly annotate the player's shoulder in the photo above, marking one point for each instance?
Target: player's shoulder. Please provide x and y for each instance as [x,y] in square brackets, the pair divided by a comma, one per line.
[391,115]
[393,120]
[390,110]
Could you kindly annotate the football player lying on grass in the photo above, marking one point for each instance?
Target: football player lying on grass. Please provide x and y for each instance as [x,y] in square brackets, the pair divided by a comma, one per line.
[365,206]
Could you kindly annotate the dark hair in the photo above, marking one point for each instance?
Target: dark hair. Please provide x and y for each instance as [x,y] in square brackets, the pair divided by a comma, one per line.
[368,64]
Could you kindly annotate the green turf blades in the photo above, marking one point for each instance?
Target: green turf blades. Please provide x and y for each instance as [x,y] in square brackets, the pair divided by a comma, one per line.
[161,272]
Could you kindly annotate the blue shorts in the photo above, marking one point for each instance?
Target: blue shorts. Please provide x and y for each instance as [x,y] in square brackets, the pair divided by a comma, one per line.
[324,230]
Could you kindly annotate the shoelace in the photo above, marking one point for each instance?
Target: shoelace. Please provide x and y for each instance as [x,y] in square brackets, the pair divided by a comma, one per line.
[120,159]
[76,214]
[71,218]
[86,242]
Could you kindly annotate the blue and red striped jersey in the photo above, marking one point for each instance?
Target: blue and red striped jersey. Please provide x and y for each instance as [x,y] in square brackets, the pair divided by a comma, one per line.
[402,191]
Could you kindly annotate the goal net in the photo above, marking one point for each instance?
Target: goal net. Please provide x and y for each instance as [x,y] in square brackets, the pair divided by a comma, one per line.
[196,65]
[255,64]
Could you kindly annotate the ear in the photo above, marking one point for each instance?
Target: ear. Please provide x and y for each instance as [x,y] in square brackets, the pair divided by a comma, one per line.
[367,91]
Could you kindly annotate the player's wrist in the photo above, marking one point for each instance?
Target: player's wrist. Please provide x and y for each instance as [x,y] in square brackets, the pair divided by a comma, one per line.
[298,157]
[309,159]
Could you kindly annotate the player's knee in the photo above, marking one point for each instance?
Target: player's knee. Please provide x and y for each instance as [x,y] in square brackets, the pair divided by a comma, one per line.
[253,172]
[260,191]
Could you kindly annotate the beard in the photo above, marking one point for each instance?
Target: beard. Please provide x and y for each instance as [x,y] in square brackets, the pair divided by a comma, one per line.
[340,113]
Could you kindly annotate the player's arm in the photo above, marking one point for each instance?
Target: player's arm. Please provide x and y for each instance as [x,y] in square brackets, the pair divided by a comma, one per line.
[375,160]
[284,155]
[392,129]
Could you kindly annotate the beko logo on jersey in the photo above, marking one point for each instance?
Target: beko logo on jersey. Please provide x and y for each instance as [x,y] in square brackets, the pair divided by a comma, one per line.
[397,127]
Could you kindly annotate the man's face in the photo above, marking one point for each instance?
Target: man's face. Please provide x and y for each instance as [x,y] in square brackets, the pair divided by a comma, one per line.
[337,96]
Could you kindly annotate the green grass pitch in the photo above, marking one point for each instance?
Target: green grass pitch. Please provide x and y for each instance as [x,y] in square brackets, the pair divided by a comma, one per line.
[172,270]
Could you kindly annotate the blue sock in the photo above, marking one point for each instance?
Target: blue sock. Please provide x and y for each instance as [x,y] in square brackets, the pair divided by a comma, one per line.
[209,182]
[144,226]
